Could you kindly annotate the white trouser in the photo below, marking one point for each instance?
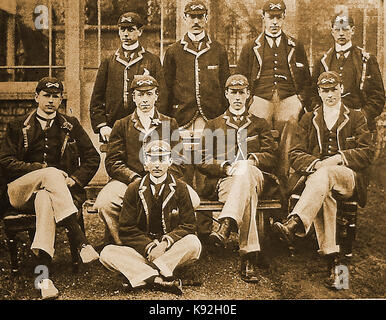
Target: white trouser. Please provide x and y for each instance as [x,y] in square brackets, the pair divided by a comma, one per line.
[239,193]
[137,269]
[318,195]
[53,203]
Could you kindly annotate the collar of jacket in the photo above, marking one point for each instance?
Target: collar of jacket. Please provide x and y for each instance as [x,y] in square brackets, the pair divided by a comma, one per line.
[318,119]
[145,195]
[29,126]
[189,47]
[138,55]
[228,116]
[259,48]
[360,58]
[155,122]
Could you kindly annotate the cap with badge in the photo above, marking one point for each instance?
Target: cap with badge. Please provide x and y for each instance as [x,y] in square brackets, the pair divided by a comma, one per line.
[143,83]
[274,6]
[329,79]
[130,19]
[50,85]
[237,81]
[158,148]
[195,7]
[342,21]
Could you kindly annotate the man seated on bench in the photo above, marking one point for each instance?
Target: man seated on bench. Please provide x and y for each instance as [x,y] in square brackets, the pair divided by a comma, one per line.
[332,149]
[157,226]
[237,147]
[124,162]
[40,158]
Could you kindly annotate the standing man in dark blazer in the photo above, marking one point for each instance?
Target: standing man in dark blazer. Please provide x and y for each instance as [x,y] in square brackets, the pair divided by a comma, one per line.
[277,69]
[196,68]
[237,148]
[47,159]
[111,97]
[124,158]
[362,80]
[156,226]
[333,148]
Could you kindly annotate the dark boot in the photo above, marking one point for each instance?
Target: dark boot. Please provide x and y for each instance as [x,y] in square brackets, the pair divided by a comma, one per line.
[286,231]
[168,285]
[248,269]
[222,234]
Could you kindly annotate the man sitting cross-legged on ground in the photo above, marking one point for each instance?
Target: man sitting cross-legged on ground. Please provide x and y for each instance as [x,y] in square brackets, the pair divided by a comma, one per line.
[332,147]
[236,147]
[156,226]
[123,160]
[48,158]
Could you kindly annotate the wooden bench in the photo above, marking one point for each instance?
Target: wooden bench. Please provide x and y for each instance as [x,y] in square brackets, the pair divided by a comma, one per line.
[16,221]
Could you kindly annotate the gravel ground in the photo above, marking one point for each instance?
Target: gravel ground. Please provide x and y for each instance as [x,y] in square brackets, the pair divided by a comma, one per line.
[289,277]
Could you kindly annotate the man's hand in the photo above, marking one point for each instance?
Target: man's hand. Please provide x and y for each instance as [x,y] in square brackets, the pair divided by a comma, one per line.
[157,251]
[335,160]
[105,132]
[70,182]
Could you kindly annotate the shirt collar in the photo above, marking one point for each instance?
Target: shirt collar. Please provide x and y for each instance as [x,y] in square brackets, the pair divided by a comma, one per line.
[158,180]
[236,112]
[197,37]
[345,47]
[270,38]
[131,47]
[334,109]
[41,113]
[142,114]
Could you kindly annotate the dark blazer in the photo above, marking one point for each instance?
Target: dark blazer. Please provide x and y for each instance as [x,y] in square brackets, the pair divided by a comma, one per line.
[231,142]
[195,80]
[78,158]
[178,217]
[116,72]
[368,80]
[354,144]
[251,59]
[124,159]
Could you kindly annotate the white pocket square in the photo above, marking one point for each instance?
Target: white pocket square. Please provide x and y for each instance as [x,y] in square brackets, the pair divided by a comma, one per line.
[299,65]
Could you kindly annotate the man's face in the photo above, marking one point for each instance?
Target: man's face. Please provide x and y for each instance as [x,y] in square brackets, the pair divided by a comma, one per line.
[48,102]
[342,34]
[237,97]
[157,165]
[129,35]
[273,22]
[330,96]
[145,100]
[196,23]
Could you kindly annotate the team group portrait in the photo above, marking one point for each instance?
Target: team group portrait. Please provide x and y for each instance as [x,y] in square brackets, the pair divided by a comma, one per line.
[192,150]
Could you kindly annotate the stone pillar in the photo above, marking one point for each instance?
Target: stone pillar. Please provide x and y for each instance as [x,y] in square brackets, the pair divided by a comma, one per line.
[290,25]
[74,57]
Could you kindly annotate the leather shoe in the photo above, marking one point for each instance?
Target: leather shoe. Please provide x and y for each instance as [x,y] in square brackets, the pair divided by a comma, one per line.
[334,281]
[172,286]
[286,231]
[249,270]
[48,290]
[222,234]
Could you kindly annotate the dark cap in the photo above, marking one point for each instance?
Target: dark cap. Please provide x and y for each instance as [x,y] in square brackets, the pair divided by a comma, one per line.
[50,85]
[342,20]
[158,148]
[274,6]
[196,7]
[329,79]
[130,19]
[237,81]
[143,83]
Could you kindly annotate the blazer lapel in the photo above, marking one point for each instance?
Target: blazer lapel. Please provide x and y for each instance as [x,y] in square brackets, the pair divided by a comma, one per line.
[326,59]
[145,195]
[317,121]
[258,49]
[29,127]
[170,189]
[342,121]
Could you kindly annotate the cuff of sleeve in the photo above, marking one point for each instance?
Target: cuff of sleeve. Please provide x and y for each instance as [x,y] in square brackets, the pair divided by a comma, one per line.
[252,155]
[224,163]
[310,168]
[76,180]
[150,246]
[101,125]
[345,162]
[133,176]
[168,239]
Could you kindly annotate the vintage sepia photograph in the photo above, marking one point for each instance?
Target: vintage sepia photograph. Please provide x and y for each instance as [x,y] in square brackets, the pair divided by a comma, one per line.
[192,155]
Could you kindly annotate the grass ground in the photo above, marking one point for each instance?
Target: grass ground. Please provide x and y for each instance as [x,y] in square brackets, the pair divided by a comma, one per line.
[289,277]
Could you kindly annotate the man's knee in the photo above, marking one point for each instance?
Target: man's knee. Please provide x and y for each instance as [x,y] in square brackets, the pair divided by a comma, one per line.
[193,244]
[52,174]
[194,197]
[108,253]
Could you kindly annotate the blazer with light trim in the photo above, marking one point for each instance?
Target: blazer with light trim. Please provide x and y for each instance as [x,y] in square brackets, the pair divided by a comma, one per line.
[178,219]
[251,59]
[111,98]
[354,144]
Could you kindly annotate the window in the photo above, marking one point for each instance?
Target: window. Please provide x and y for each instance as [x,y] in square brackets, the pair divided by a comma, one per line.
[34,36]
